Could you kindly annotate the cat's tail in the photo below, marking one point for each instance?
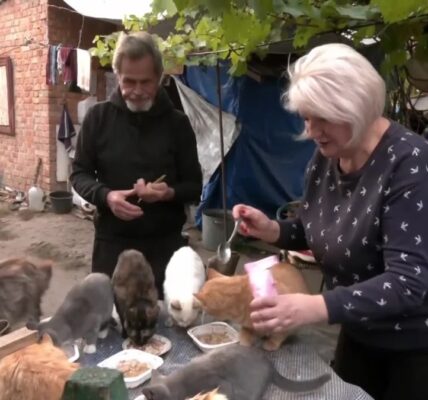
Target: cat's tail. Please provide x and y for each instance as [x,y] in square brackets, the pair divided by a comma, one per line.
[290,385]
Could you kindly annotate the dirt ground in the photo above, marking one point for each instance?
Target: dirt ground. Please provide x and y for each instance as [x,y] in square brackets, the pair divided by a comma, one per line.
[65,239]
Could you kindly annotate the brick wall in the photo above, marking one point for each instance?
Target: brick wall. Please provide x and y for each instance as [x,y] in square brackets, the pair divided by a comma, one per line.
[21,19]
[38,106]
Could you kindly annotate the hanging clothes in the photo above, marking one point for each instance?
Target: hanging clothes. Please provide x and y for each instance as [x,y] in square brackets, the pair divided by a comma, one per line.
[67,64]
[66,129]
[84,69]
[51,66]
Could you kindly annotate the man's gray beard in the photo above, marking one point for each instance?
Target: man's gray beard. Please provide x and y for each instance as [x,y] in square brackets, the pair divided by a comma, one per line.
[145,107]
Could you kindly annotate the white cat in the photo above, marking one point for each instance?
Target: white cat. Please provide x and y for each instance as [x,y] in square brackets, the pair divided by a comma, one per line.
[184,276]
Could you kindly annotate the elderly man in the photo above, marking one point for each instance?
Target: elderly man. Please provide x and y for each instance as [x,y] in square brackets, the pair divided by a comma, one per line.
[125,145]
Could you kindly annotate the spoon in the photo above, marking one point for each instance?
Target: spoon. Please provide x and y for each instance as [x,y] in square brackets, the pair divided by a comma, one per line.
[224,251]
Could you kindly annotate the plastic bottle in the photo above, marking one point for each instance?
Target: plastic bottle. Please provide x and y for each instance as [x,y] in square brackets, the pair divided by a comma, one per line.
[35,199]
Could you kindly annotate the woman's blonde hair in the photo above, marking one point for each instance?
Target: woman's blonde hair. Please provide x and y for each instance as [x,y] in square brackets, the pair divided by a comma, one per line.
[335,82]
[137,45]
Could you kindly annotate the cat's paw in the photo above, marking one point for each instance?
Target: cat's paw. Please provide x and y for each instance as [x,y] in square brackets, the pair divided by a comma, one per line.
[90,349]
[103,334]
[169,322]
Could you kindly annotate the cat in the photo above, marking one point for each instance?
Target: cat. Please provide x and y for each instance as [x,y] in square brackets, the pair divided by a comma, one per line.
[22,286]
[213,395]
[85,313]
[239,373]
[229,298]
[184,276]
[136,296]
[38,371]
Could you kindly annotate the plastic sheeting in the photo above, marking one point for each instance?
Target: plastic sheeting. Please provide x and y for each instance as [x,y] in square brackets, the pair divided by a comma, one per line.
[265,165]
[204,118]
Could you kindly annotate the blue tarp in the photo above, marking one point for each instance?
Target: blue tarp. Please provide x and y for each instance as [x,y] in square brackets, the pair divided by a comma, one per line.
[265,166]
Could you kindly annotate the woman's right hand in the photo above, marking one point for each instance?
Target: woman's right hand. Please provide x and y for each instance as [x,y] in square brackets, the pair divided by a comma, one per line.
[255,223]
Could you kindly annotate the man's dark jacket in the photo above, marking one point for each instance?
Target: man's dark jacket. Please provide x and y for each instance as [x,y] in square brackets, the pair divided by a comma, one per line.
[116,147]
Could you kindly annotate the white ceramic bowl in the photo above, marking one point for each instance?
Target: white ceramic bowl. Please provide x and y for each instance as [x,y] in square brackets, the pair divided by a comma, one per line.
[213,328]
[133,354]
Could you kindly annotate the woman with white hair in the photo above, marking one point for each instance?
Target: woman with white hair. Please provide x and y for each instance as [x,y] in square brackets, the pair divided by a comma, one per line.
[363,216]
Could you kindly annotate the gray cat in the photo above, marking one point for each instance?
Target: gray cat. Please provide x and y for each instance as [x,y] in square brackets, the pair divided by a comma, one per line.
[22,285]
[85,313]
[240,373]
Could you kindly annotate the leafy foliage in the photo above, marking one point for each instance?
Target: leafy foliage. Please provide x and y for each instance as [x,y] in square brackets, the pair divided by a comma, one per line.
[235,29]
[208,30]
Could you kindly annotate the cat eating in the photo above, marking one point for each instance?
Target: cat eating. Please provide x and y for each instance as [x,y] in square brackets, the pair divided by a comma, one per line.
[85,313]
[136,296]
[22,285]
[184,276]
[229,298]
[239,373]
[38,371]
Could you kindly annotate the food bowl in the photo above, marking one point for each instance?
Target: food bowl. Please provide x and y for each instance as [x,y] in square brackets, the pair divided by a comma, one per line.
[156,345]
[136,365]
[213,336]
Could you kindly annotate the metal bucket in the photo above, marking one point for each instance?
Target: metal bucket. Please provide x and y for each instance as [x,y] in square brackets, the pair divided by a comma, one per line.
[213,228]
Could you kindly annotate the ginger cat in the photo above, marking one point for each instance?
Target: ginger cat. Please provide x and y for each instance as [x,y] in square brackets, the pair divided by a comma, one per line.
[36,372]
[229,298]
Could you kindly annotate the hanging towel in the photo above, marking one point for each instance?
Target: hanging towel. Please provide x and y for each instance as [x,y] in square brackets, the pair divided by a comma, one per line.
[84,69]
[51,66]
[66,129]
[67,64]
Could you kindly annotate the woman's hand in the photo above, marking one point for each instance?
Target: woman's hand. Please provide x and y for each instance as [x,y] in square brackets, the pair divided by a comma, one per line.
[255,223]
[287,311]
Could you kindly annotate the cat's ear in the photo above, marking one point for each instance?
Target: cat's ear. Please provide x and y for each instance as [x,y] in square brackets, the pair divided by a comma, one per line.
[213,273]
[45,338]
[175,305]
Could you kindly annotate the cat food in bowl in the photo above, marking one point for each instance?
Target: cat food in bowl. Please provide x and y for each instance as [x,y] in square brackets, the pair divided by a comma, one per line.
[157,345]
[213,335]
[136,365]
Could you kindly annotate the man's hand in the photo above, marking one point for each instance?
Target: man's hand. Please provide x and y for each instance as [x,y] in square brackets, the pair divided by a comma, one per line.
[120,207]
[153,192]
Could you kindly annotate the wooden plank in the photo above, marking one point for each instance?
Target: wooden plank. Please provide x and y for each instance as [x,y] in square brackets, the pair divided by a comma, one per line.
[16,340]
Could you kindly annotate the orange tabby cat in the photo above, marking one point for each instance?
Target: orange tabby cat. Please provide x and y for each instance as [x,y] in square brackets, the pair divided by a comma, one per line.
[214,395]
[36,372]
[229,298]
